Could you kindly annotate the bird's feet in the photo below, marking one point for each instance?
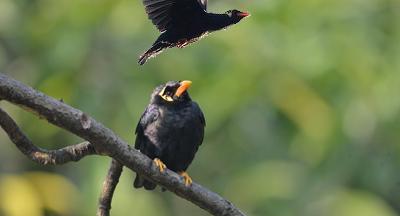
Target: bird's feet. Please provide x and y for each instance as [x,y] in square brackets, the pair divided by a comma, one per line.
[186,178]
[160,164]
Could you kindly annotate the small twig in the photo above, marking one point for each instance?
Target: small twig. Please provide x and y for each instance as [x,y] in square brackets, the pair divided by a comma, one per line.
[39,155]
[109,185]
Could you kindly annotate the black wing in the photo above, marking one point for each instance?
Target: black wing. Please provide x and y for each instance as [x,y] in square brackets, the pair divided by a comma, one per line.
[200,115]
[160,12]
[203,4]
[150,115]
[142,143]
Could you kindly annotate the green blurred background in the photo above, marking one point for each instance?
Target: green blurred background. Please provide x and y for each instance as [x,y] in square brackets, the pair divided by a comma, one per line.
[301,102]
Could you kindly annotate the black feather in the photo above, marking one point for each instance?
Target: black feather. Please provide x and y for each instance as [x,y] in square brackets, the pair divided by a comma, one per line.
[183,22]
[170,131]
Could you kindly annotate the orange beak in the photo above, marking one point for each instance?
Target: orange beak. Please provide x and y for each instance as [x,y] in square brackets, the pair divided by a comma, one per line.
[243,14]
[184,86]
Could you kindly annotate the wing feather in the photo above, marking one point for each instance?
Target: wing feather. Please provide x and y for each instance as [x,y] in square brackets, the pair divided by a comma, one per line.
[149,116]
[160,12]
[203,4]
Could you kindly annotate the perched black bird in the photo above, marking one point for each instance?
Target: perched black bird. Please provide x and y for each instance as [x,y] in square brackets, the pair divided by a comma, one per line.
[170,130]
[182,22]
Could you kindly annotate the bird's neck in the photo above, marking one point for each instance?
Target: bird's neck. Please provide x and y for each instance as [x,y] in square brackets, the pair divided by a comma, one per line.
[218,21]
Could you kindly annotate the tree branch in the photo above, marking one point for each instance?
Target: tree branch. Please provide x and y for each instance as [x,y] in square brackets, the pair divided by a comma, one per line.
[109,185]
[108,143]
[42,156]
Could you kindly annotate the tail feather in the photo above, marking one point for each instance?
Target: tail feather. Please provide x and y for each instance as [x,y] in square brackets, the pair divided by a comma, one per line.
[141,182]
[154,50]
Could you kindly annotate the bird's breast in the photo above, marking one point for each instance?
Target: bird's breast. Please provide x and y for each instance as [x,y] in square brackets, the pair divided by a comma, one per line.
[175,119]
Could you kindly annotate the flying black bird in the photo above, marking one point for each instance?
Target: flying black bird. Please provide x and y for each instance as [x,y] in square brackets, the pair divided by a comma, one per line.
[182,22]
[170,130]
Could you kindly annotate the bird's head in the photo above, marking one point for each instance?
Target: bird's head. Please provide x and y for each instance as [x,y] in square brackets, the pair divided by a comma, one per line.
[236,15]
[172,92]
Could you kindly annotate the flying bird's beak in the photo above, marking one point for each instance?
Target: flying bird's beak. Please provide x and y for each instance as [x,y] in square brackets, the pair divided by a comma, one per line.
[243,14]
[184,86]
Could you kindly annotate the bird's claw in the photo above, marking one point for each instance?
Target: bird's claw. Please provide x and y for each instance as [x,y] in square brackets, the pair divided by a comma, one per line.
[160,164]
[188,181]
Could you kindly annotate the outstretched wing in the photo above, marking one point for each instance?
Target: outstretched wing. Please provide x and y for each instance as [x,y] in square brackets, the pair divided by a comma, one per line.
[160,12]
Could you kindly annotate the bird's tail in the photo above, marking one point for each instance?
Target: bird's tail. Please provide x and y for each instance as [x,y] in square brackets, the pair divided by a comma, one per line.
[141,182]
[156,49]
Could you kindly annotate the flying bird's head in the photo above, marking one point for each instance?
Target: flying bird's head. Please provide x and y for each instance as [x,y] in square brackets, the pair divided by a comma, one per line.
[236,15]
[172,92]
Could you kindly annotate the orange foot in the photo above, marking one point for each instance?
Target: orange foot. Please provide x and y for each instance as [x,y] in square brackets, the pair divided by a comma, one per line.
[160,164]
[186,178]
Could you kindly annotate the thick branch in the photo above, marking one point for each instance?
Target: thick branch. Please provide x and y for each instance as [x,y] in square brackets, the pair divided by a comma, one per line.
[109,185]
[43,156]
[107,142]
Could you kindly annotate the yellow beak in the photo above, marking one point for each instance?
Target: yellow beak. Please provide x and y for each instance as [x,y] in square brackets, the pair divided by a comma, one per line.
[184,86]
